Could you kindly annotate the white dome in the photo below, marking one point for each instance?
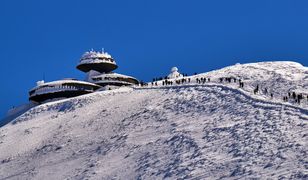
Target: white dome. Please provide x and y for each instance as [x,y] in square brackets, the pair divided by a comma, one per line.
[174,73]
[174,69]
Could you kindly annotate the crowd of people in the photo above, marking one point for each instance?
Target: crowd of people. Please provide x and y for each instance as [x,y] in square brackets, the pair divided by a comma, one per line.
[298,98]
[291,95]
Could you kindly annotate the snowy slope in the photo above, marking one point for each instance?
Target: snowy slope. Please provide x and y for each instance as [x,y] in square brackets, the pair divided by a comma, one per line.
[15,112]
[209,131]
[279,77]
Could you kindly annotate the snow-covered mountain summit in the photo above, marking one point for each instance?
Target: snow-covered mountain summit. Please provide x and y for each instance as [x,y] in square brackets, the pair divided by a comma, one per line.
[278,78]
[196,130]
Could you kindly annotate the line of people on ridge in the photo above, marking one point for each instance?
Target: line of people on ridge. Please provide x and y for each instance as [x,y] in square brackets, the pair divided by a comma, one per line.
[291,95]
[167,82]
[296,97]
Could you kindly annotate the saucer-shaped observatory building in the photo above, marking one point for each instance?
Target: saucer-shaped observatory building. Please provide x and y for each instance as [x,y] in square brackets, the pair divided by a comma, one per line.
[96,61]
[60,89]
[99,67]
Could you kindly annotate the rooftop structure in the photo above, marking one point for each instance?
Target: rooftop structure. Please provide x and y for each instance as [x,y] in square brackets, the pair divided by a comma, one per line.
[114,79]
[174,73]
[60,89]
[97,65]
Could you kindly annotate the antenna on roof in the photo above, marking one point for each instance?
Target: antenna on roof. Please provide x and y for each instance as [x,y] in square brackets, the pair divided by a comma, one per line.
[43,76]
[103,50]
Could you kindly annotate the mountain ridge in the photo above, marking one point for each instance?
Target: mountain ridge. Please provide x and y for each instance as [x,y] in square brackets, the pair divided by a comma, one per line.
[196,131]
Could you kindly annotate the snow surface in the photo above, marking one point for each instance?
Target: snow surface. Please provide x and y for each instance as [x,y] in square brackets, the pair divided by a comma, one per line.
[96,57]
[113,75]
[95,54]
[194,131]
[14,112]
[91,61]
[279,77]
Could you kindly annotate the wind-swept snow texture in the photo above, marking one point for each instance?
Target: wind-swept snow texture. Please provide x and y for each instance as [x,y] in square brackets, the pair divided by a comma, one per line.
[208,131]
[278,77]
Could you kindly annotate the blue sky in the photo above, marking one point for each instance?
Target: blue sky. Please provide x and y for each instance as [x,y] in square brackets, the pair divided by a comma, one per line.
[146,38]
